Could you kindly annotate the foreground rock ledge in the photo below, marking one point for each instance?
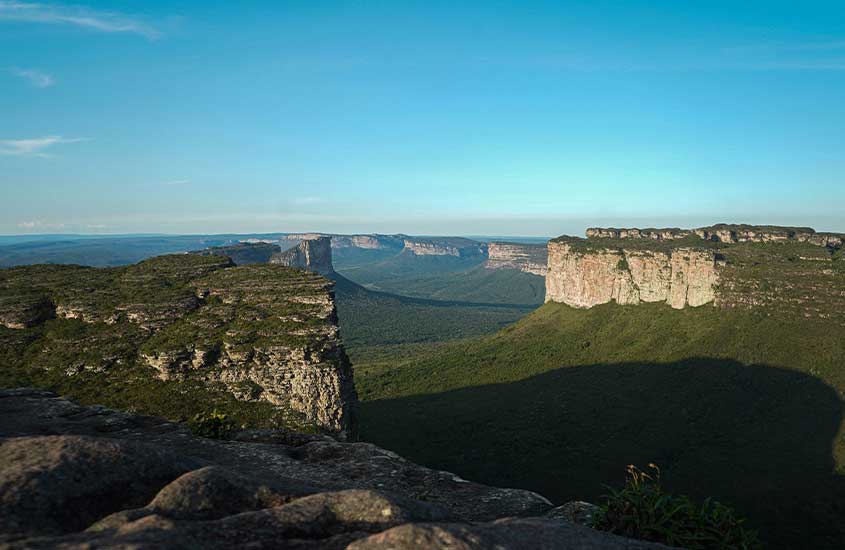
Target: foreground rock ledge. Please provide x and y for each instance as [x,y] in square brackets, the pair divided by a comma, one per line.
[90,477]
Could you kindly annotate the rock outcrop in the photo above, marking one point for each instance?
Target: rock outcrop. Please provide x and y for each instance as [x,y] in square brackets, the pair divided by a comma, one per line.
[529,258]
[310,254]
[586,276]
[445,246]
[368,242]
[724,233]
[257,333]
[104,479]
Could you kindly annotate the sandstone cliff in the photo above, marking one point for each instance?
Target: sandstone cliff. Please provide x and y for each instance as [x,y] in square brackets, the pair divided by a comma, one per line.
[310,254]
[257,334]
[105,479]
[445,246]
[368,242]
[523,257]
[583,276]
[790,270]
[724,233]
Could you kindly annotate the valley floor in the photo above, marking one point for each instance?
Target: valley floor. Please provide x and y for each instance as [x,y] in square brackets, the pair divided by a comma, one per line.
[742,406]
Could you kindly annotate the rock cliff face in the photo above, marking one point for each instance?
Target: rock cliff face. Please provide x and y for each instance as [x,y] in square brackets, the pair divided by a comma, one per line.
[368,242]
[724,233]
[523,257]
[792,270]
[311,255]
[105,479]
[587,276]
[447,246]
[257,333]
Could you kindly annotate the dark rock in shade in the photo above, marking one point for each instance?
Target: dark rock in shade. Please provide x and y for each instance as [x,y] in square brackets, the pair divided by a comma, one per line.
[576,511]
[313,254]
[90,477]
[61,484]
[506,534]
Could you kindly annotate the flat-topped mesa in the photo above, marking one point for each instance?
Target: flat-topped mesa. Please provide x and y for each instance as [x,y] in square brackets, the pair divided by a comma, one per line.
[529,258]
[257,333]
[368,242]
[447,246]
[584,275]
[311,255]
[724,233]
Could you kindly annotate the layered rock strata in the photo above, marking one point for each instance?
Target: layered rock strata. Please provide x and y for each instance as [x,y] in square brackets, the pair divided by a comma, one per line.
[310,254]
[586,277]
[261,333]
[104,479]
[368,242]
[528,258]
[724,233]
[454,246]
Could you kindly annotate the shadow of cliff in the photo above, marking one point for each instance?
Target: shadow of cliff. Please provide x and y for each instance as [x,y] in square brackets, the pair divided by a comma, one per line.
[756,437]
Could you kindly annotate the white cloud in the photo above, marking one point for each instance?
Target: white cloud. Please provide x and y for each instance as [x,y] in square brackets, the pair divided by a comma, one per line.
[32,147]
[40,224]
[36,78]
[57,14]
[175,182]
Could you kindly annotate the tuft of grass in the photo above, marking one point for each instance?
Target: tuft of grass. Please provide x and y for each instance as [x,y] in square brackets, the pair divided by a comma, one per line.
[214,425]
[643,510]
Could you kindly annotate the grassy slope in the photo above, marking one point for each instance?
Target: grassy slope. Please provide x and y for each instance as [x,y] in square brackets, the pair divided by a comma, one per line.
[733,404]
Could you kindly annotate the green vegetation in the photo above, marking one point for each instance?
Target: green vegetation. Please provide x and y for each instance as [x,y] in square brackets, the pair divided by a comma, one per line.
[214,425]
[743,406]
[643,510]
[170,308]
[369,318]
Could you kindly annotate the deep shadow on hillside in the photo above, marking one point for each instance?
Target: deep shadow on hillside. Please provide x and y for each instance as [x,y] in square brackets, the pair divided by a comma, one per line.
[757,437]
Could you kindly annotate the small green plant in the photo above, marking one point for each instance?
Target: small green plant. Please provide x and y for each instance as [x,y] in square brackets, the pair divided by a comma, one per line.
[622,264]
[642,510]
[214,425]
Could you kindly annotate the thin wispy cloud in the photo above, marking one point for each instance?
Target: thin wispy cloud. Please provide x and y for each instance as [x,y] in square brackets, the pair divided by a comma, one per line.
[34,77]
[79,16]
[175,182]
[34,147]
[40,224]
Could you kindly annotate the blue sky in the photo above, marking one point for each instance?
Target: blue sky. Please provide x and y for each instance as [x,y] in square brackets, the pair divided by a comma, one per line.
[521,118]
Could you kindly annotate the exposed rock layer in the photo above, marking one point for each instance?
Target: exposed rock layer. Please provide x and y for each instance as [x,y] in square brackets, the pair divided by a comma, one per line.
[262,333]
[310,254]
[529,258]
[108,479]
[585,278]
[447,246]
[725,233]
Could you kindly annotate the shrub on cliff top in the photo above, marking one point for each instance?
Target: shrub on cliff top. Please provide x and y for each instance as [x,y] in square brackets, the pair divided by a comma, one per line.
[214,425]
[642,510]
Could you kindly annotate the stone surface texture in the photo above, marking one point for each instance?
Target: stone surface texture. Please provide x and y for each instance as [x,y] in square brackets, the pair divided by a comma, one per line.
[529,258]
[90,477]
[310,254]
[586,278]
